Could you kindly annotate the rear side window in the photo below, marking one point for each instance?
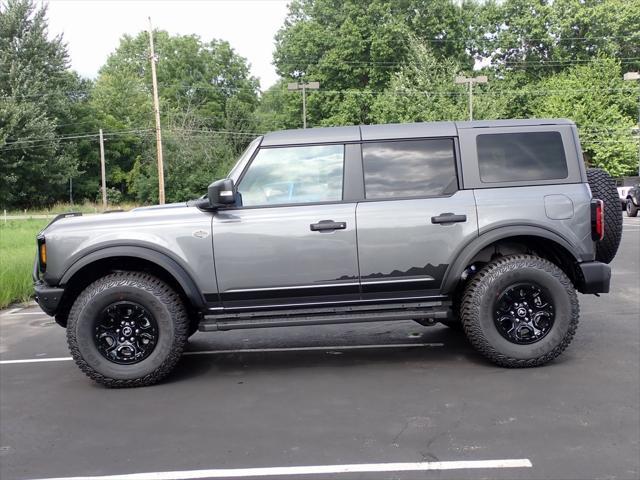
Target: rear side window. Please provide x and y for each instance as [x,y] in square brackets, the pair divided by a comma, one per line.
[514,157]
[410,168]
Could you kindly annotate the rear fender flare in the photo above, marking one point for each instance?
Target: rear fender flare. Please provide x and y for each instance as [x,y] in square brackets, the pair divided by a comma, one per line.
[470,250]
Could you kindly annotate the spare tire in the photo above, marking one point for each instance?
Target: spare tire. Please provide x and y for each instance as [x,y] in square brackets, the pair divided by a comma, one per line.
[604,188]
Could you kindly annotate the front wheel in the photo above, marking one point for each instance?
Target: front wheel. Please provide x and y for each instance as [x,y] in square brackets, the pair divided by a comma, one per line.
[632,210]
[127,329]
[520,311]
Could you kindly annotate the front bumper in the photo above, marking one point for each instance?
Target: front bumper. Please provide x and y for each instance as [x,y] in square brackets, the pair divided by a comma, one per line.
[595,277]
[48,297]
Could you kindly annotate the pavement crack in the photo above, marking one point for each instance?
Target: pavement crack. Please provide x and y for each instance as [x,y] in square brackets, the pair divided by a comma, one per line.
[394,442]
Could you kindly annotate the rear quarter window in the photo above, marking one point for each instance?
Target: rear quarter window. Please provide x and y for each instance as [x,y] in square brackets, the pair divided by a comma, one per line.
[513,157]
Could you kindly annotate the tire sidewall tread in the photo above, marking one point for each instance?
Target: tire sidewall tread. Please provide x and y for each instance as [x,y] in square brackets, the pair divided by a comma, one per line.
[604,188]
[155,295]
[478,302]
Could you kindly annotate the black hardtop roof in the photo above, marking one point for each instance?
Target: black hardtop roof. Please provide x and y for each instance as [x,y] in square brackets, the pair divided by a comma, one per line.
[394,131]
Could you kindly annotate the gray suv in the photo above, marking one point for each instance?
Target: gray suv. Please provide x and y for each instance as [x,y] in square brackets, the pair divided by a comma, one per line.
[486,226]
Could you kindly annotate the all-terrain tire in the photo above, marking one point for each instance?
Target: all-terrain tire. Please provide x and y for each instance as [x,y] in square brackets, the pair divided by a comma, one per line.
[479,304]
[604,188]
[631,209]
[163,303]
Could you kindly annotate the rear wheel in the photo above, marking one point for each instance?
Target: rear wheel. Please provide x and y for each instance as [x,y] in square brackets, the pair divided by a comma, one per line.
[632,210]
[127,329]
[520,311]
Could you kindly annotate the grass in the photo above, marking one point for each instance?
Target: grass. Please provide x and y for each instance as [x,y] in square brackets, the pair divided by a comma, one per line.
[17,252]
[18,247]
[86,207]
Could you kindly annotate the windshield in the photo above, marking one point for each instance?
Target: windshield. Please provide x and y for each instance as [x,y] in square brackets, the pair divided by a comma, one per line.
[237,168]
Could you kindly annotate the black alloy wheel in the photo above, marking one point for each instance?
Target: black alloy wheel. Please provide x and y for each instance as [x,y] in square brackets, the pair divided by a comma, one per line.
[524,313]
[125,333]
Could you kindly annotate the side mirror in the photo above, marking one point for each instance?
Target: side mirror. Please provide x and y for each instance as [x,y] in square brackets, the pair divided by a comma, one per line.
[221,193]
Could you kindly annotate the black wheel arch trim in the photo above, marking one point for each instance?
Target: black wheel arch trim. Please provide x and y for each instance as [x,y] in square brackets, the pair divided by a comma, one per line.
[465,254]
[161,259]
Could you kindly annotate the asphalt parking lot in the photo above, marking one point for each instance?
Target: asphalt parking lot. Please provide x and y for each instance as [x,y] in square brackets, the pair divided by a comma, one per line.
[332,398]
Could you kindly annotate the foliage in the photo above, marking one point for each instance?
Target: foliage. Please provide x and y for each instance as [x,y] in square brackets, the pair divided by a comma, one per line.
[543,37]
[377,61]
[423,90]
[18,247]
[599,101]
[353,48]
[204,87]
[39,99]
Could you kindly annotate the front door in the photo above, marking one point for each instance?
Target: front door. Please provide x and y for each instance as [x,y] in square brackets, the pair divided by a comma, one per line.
[413,219]
[293,240]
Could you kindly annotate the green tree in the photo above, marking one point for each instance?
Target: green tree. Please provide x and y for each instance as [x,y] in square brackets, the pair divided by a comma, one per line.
[423,90]
[543,37]
[603,106]
[39,99]
[279,109]
[204,87]
[353,48]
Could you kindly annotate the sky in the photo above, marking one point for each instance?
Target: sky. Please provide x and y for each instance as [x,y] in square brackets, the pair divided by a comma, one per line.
[92,28]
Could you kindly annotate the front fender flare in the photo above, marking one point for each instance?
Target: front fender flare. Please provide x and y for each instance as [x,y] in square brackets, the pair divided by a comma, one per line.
[159,258]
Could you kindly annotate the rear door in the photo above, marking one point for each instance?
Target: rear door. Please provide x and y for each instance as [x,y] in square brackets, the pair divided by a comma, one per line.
[413,219]
[293,241]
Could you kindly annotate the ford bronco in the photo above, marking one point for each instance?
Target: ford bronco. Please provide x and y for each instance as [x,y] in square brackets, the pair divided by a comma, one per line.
[486,226]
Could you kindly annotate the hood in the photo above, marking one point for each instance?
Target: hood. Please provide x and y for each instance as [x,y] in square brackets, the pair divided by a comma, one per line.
[119,219]
[159,207]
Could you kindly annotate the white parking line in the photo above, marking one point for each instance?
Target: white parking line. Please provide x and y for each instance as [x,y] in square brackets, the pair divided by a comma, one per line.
[30,313]
[252,350]
[36,360]
[313,470]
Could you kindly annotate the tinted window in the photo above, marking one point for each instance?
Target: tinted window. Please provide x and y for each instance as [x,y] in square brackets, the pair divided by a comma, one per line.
[411,168]
[294,175]
[510,157]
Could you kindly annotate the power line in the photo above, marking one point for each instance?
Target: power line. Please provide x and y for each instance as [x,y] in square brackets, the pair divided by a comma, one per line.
[584,132]
[76,136]
[382,63]
[38,143]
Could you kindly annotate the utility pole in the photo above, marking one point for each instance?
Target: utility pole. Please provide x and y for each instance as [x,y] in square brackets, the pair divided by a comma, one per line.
[635,76]
[460,80]
[156,110]
[304,87]
[102,171]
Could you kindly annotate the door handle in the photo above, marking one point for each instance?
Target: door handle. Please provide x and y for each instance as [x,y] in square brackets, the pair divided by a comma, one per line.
[324,225]
[445,218]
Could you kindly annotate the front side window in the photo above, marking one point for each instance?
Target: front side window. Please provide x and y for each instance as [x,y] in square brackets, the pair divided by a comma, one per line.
[409,168]
[306,174]
[516,157]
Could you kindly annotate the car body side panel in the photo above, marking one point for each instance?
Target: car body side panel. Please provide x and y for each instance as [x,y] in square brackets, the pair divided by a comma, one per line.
[182,234]
[531,206]
[400,250]
[270,255]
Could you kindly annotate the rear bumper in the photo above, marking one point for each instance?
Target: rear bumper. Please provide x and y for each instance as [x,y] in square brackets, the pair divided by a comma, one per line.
[595,277]
[48,297]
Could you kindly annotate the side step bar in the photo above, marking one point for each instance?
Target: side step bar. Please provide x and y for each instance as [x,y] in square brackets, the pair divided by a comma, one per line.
[425,312]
